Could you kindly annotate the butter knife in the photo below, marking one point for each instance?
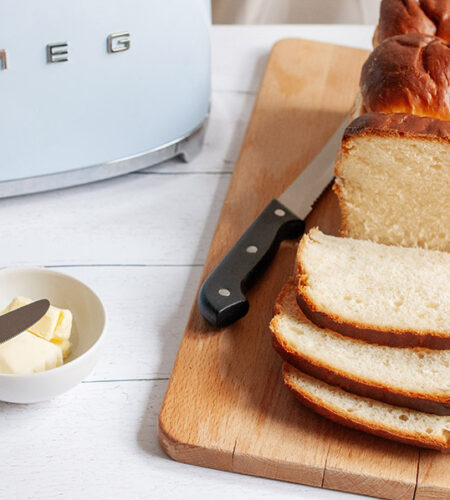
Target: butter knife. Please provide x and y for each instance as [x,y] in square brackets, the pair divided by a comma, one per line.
[19,320]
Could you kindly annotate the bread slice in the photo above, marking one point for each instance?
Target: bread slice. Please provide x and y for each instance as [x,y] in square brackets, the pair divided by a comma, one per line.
[383,294]
[411,377]
[393,180]
[392,422]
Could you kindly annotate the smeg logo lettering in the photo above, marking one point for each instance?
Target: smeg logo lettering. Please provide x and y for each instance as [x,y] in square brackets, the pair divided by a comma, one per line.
[58,52]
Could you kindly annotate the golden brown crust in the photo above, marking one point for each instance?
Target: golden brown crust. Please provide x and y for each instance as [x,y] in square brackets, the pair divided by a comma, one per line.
[436,404]
[397,125]
[398,17]
[337,416]
[408,74]
[357,386]
[378,335]
[374,334]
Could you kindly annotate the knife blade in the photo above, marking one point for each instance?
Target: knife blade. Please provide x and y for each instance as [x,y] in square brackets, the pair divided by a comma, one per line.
[19,320]
[221,299]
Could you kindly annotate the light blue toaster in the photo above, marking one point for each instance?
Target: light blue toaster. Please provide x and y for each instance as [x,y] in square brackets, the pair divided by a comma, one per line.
[91,89]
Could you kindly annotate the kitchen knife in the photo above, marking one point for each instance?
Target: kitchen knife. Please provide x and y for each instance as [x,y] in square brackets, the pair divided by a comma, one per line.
[221,299]
[19,320]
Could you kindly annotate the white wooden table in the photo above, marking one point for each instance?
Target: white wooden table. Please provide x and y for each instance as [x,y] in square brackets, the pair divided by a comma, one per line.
[140,241]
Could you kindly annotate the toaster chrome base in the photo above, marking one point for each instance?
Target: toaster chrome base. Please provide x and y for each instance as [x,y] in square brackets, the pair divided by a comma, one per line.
[186,147]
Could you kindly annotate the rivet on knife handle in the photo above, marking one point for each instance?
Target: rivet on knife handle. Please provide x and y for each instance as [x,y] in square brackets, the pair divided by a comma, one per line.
[221,299]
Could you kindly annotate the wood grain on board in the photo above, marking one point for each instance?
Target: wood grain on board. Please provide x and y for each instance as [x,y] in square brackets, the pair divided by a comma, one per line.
[226,406]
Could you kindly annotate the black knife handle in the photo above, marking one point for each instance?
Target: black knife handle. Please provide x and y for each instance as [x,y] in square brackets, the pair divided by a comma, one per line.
[221,299]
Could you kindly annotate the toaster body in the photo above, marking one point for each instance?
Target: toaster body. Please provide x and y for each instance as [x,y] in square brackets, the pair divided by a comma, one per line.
[91,89]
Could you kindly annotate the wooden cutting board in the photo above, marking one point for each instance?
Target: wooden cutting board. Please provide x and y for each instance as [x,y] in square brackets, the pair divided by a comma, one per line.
[226,406]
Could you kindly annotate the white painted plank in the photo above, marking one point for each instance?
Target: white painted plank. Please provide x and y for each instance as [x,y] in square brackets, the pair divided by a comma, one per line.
[147,310]
[137,219]
[99,441]
[240,55]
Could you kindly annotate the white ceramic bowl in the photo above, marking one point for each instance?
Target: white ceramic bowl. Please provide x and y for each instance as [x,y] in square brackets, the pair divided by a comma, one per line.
[89,321]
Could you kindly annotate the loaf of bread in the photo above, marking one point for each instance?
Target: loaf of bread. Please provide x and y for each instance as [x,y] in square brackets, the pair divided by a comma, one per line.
[410,377]
[366,324]
[392,422]
[398,17]
[408,74]
[393,180]
[382,294]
